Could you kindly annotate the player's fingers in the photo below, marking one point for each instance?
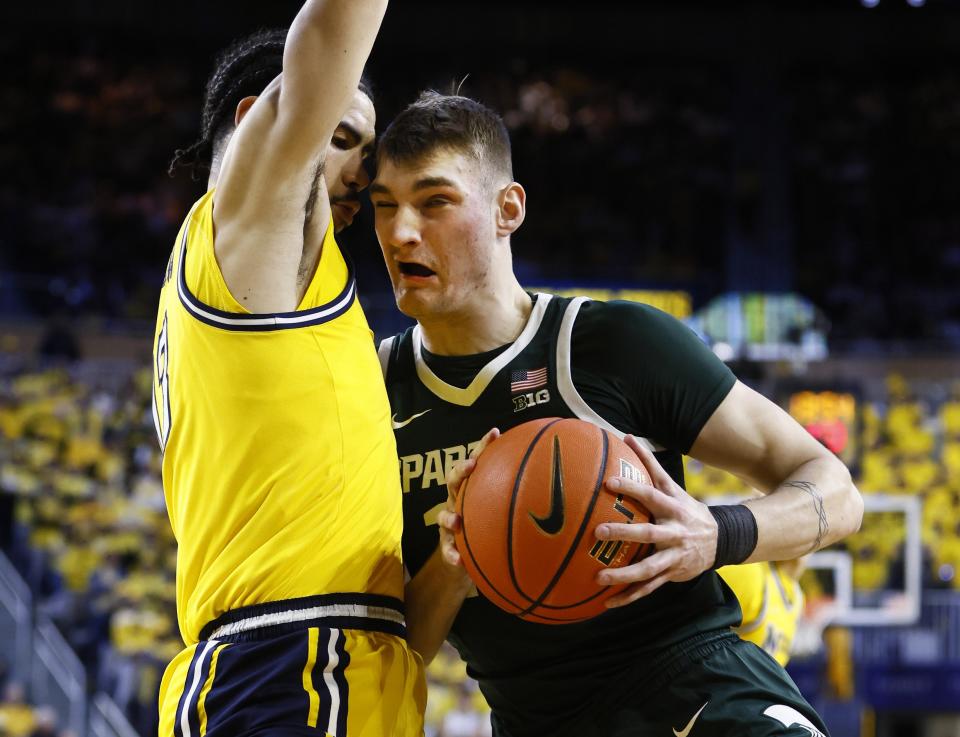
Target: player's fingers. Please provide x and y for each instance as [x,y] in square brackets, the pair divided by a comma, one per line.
[458,473]
[451,555]
[656,500]
[660,478]
[637,591]
[647,569]
[449,520]
[641,532]
[491,435]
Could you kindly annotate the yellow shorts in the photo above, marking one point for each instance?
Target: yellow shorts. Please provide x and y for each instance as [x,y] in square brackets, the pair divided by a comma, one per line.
[335,665]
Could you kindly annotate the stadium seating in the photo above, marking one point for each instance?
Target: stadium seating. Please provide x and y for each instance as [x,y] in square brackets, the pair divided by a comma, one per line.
[82,463]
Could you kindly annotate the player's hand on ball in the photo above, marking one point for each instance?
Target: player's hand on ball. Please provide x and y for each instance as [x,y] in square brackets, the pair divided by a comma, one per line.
[684,533]
[449,520]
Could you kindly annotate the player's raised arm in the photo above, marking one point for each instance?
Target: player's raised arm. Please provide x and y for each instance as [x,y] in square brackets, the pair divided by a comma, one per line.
[270,179]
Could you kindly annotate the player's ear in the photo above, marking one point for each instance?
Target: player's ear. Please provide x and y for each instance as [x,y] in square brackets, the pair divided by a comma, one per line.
[243,107]
[512,209]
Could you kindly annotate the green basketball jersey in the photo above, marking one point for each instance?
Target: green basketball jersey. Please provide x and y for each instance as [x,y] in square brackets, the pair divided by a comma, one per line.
[626,367]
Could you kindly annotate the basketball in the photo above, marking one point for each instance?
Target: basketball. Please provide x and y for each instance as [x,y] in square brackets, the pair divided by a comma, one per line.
[529,511]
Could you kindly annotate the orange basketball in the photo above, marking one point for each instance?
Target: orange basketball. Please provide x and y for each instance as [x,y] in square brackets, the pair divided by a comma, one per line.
[530,509]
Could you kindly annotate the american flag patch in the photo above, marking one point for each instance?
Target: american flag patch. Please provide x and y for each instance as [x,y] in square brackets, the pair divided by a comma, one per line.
[523,380]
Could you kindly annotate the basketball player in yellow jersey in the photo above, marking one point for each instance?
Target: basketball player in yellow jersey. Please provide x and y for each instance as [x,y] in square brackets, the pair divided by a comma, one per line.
[772,602]
[279,463]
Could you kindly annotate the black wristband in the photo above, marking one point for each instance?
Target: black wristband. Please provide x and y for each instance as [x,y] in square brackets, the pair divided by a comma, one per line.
[736,533]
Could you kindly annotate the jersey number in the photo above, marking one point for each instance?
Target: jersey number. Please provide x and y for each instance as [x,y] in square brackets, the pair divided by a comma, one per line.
[161,394]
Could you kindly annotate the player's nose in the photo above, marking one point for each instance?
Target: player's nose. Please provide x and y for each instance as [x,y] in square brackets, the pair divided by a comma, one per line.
[356,177]
[403,229]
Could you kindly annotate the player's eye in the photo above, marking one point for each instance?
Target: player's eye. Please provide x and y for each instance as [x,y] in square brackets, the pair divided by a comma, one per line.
[437,202]
[341,143]
[384,204]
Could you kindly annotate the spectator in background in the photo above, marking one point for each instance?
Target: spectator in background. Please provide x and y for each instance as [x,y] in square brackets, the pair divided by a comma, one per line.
[17,718]
[463,720]
[46,722]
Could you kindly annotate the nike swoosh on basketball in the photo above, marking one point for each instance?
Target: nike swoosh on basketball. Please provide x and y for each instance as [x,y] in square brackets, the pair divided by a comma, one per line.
[686,730]
[553,522]
[397,425]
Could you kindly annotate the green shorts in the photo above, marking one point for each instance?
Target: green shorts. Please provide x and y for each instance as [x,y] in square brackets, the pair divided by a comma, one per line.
[719,687]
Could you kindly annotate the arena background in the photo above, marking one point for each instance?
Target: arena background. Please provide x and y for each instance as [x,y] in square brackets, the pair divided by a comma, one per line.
[782,175]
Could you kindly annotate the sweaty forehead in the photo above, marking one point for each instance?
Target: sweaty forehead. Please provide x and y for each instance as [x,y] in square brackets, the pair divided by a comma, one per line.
[361,116]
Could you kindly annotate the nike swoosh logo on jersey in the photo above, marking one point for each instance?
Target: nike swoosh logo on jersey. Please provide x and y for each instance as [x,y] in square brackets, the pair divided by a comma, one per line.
[686,730]
[553,522]
[397,424]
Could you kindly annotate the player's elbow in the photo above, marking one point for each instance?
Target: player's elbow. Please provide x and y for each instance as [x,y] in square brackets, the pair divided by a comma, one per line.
[849,505]
[856,508]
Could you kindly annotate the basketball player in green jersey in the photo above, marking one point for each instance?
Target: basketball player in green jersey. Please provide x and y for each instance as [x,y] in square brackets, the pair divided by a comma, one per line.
[485,353]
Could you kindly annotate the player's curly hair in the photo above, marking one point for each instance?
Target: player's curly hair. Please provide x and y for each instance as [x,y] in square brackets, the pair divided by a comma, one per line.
[437,121]
[243,69]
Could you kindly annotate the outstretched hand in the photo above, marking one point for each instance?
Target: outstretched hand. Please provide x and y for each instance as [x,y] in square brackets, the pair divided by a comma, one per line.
[448,518]
[683,531]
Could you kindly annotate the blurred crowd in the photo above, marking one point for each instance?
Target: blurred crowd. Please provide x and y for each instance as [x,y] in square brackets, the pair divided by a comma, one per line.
[646,176]
[91,533]
[20,718]
[82,516]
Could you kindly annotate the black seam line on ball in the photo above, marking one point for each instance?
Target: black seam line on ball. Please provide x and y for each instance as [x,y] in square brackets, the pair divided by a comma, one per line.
[513,507]
[580,533]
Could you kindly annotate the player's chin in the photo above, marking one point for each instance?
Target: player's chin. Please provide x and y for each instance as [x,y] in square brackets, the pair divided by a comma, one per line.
[413,302]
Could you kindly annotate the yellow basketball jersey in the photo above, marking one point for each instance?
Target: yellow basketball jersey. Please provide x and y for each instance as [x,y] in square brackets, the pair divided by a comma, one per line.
[279,462]
[771,602]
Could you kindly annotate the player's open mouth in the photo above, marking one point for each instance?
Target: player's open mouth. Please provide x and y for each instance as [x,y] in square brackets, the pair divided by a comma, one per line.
[409,268]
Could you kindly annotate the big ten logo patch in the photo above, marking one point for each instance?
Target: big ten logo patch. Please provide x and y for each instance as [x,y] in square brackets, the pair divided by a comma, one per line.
[524,401]
[423,470]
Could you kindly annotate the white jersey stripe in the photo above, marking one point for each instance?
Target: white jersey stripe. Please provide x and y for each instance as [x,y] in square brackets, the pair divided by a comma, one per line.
[565,378]
[188,702]
[466,397]
[333,660]
[383,352]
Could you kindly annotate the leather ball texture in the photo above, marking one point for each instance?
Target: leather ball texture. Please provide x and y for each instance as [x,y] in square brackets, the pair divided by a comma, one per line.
[529,514]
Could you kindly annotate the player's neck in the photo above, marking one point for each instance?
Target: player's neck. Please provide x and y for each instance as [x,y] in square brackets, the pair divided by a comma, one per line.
[489,321]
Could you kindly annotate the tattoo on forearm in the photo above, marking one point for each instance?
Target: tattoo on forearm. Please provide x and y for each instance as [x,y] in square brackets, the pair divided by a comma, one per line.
[823,527]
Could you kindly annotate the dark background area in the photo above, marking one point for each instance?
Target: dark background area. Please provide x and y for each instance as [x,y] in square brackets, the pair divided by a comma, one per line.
[789,146]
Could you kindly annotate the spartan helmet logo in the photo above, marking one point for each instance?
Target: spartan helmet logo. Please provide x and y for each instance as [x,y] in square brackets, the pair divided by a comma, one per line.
[789,717]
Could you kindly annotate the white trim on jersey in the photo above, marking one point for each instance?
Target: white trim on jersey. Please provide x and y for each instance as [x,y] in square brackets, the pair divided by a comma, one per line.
[565,377]
[383,353]
[302,615]
[333,660]
[185,714]
[466,397]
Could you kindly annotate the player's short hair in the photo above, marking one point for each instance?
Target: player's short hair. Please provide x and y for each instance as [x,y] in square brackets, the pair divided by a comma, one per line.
[243,69]
[435,121]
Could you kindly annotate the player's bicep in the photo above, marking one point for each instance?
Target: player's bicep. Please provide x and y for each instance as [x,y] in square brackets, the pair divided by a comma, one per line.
[255,158]
[753,438]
